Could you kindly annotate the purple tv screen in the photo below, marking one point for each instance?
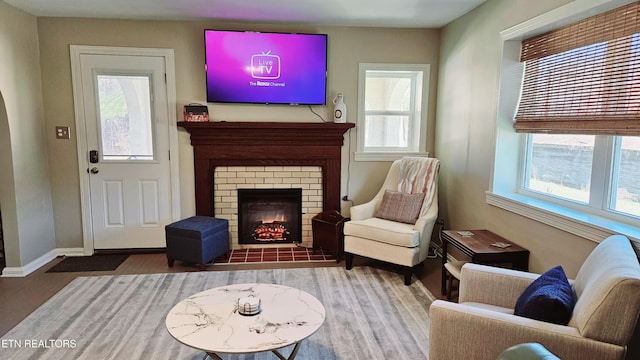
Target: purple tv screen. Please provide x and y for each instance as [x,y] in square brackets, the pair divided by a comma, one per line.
[266,68]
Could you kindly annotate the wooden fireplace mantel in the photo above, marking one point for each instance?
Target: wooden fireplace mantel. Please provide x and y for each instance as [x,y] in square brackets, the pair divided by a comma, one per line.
[265,144]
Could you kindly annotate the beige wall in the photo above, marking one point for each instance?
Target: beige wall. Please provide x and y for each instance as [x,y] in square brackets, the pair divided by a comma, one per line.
[465,62]
[39,185]
[25,194]
[466,133]
[347,47]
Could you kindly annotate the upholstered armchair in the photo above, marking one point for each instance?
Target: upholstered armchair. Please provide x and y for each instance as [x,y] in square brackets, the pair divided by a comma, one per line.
[602,321]
[396,225]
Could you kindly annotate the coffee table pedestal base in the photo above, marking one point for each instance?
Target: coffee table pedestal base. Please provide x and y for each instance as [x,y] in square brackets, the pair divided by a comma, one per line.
[292,356]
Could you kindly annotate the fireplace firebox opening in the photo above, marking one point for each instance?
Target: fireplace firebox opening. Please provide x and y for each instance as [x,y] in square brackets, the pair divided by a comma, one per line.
[267,216]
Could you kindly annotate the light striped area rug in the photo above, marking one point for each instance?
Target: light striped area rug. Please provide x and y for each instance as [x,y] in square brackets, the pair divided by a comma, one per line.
[370,314]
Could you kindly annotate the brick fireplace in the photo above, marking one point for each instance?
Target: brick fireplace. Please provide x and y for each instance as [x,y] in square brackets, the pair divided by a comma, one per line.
[263,155]
[230,181]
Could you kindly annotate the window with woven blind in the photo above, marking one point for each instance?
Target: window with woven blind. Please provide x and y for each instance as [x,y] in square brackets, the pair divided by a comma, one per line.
[584,78]
[574,160]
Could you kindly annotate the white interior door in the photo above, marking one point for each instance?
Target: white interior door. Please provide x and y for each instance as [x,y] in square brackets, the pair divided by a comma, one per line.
[127,138]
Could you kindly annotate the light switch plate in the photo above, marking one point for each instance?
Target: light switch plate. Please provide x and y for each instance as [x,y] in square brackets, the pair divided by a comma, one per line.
[62,132]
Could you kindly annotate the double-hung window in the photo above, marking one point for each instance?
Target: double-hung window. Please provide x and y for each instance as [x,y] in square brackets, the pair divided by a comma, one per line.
[580,113]
[392,110]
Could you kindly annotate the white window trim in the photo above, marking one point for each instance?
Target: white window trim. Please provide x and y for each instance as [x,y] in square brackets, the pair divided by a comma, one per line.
[391,155]
[506,168]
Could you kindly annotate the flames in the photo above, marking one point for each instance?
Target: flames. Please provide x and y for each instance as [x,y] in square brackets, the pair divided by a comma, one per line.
[271,231]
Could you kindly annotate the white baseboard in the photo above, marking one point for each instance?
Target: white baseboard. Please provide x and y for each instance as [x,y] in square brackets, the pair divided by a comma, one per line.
[71,252]
[36,264]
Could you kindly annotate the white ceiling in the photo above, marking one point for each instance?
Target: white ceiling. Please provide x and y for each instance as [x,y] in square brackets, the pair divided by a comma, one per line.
[381,13]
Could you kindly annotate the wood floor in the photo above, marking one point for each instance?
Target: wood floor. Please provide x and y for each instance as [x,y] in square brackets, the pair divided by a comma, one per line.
[20,296]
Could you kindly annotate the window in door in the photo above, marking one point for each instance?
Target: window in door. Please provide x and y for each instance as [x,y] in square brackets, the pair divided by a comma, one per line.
[126,127]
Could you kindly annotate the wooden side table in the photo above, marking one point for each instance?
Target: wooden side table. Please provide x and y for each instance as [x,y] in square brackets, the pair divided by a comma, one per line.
[477,244]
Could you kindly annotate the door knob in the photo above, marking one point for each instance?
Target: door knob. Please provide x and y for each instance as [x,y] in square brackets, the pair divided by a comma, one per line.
[94,170]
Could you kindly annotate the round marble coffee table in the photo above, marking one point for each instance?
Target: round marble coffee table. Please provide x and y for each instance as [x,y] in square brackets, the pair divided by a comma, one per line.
[210,321]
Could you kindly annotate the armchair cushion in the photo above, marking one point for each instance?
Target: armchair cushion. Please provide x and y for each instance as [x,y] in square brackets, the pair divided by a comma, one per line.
[401,207]
[549,298]
[385,231]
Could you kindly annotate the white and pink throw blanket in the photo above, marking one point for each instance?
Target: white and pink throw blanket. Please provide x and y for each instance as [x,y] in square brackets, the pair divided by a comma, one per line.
[419,175]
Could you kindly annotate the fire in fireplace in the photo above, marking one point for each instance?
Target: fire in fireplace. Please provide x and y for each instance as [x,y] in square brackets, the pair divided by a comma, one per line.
[269,216]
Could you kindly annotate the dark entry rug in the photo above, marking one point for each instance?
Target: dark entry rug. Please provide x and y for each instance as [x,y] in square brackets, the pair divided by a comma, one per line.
[100,262]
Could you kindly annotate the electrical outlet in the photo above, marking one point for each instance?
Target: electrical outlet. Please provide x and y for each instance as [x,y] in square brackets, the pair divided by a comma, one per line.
[62,132]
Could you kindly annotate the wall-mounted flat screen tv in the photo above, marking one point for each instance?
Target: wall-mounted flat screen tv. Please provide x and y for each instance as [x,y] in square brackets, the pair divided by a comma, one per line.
[266,67]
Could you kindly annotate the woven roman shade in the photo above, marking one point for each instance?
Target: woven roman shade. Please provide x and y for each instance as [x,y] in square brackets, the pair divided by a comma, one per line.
[584,78]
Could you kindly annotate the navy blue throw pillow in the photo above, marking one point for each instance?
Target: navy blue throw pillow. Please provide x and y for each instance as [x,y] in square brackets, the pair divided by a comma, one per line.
[549,298]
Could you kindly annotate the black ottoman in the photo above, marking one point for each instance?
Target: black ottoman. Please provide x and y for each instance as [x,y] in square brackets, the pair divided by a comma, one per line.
[198,240]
